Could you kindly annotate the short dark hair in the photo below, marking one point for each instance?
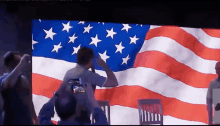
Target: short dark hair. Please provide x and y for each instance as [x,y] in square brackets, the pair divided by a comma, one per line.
[65,105]
[9,59]
[84,55]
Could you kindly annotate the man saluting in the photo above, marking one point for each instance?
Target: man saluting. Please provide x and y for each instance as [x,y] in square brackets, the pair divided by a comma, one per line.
[85,57]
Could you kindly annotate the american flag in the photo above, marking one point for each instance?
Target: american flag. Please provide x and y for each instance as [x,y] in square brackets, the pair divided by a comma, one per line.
[174,64]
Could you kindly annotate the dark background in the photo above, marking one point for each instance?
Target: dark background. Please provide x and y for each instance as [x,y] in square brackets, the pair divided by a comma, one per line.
[16,17]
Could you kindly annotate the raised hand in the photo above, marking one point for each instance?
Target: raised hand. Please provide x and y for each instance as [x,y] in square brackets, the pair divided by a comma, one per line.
[101,62]
[25,62]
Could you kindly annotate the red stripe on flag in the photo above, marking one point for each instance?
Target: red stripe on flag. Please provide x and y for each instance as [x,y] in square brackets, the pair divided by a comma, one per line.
[42,85]
[212,32]
[55,122]
[128,96]
[185,39]
[168,65]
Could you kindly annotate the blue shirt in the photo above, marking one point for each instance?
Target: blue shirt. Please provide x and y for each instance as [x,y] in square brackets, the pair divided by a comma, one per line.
[87,77]
[47,112]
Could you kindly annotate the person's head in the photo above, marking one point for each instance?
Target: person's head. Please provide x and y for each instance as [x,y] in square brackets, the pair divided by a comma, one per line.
[85,56]
[65,106]
[217,68]
[11,60]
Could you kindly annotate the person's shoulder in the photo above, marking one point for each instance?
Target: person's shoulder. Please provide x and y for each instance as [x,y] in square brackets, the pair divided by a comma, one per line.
[75,70]
[92,73]
[214,83]
[89,72]
[47,108]
[3,76]
[68,72]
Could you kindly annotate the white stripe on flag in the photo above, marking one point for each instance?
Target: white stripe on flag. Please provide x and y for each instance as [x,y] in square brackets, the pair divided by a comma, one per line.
[202,37]
[179,53]
[145,77]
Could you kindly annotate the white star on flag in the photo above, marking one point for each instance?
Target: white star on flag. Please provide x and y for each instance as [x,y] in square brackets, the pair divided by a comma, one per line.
[140,25]
[81,22]
[56,47]
[134,39]
[40,20]
[49,33]
[95,40]
[125,60]
[126,27]
[33,42]
[111,33]
[76,49]
[102,23]
[67,27]
[104,56]
[72,39]
[87,29]
[119,48]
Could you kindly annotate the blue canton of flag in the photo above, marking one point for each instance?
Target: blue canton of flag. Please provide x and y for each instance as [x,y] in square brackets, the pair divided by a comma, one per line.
[117,44]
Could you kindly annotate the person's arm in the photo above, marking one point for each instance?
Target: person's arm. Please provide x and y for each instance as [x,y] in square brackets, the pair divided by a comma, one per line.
[209,104]
[209,109]
[28,99]
[93,70]
[111,80]
[47,111]
[11,79]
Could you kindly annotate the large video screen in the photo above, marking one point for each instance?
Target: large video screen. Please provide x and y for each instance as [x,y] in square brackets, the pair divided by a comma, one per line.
[170,63]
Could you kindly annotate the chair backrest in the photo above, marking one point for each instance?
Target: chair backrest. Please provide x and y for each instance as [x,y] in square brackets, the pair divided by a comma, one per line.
[106,108]
[150,111]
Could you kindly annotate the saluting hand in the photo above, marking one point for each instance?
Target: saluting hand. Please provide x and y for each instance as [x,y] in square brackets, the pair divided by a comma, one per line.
[101,62]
